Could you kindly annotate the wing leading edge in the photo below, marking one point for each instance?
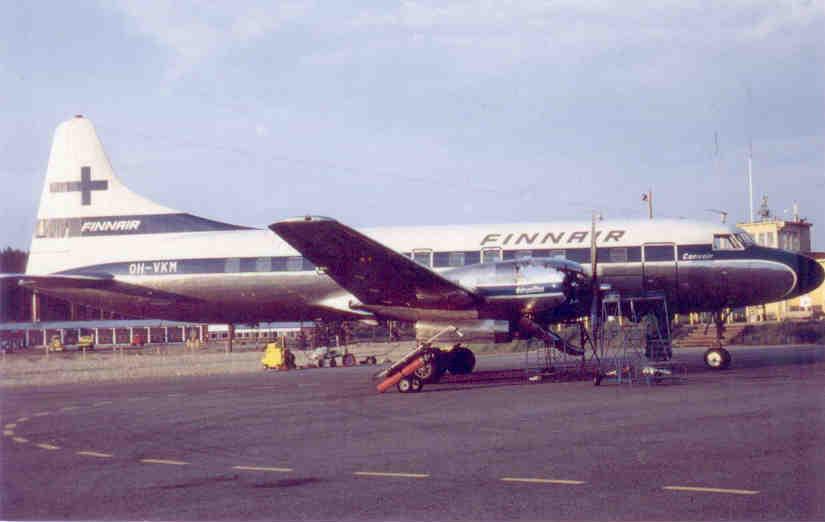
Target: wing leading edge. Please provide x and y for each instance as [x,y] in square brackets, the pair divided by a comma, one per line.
[372,272]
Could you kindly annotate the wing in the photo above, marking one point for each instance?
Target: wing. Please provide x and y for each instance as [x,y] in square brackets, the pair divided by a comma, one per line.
[373,273]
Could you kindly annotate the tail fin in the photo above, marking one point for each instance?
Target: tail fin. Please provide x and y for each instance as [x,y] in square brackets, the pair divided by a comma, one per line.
[83,198]
[80,181]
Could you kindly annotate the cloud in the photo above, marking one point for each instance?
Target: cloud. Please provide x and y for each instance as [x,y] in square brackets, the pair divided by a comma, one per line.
[193,31]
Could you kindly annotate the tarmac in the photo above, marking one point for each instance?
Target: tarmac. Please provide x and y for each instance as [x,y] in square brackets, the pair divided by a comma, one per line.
[742,444]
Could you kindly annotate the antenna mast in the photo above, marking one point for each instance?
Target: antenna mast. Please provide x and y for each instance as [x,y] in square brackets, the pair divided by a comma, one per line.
[750,157]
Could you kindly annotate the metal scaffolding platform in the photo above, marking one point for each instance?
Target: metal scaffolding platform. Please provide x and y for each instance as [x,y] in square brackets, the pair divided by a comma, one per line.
[633,343]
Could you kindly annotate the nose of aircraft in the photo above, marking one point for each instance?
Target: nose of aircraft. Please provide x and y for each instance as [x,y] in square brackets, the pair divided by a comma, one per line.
[809,273]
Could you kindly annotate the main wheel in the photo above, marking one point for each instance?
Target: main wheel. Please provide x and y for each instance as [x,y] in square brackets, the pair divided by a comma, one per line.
[434,368]
[320,363]
[348,360]
[462,360]
[404,385]
[717,358]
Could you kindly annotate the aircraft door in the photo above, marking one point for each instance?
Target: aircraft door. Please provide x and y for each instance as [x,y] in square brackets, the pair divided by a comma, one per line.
[660,271]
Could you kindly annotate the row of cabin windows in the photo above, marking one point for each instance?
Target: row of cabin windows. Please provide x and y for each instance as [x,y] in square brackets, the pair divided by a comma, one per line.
[467,257]
[653,253]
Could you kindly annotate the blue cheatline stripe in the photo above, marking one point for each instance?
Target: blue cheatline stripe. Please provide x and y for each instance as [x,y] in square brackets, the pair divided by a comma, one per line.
[265,264]
[128,225]
[218,265]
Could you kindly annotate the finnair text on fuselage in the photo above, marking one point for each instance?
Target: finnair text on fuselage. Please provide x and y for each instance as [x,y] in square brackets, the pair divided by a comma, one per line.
[549,238]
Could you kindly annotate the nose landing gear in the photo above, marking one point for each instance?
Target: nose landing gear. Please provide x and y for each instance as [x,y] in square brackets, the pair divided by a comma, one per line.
[717,358]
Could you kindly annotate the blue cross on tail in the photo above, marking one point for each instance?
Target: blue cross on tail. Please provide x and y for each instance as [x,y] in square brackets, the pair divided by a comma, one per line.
[85,186]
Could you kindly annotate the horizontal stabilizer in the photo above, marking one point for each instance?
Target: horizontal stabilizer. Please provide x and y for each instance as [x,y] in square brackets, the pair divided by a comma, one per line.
[374,273]
[103,282]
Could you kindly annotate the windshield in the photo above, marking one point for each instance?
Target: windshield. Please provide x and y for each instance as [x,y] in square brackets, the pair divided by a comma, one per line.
[745,238]
[726,242]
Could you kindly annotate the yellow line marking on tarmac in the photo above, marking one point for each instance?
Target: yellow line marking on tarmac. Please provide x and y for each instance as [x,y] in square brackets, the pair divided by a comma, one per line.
[162,461]
[712,490]
[22,419]
[102,403]
[261,468]
[68,408]
[20,440]
[387,474]
[94,454]
[10,426]
[543,481]
[48,446]
[42,414]
[135,399]
[8,433]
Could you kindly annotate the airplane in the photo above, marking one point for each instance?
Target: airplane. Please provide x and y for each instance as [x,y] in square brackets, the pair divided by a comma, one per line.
[98,243]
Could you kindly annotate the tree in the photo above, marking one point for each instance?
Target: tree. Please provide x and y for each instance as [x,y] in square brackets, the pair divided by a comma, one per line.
[13,261]
[13,298]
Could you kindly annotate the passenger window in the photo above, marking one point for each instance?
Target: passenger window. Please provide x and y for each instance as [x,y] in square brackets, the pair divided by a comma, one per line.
[618,255]
[456,259]
[263,264]
[491,255]
[423,257]
[232,265]
[294,263]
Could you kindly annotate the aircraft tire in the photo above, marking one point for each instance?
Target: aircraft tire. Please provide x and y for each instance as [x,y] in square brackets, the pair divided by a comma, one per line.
[348,360]
[434,368]
[717,358]
[462,361]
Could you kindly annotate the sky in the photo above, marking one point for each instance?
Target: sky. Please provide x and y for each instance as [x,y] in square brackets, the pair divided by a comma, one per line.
[420,113]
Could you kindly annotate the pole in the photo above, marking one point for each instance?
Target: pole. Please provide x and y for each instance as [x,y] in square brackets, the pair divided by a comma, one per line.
[650,204]
[35,308]
[750,186]
[594,283]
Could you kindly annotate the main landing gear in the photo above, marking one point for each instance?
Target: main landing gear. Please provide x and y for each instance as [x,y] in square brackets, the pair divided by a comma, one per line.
[426,364]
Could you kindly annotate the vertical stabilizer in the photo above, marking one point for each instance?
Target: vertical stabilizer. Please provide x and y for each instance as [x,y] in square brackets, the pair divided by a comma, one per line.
[80,181]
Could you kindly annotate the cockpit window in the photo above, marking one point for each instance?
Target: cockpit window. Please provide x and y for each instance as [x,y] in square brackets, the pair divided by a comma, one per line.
[726,242]
[745,239]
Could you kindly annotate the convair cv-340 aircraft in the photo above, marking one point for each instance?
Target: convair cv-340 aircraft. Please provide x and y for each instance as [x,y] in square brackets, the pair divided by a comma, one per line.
[100,244]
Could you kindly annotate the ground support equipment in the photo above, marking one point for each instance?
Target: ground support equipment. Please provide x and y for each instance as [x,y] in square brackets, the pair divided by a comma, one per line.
[639,351]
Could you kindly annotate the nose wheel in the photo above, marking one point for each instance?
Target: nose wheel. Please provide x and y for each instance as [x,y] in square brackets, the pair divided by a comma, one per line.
[717,358]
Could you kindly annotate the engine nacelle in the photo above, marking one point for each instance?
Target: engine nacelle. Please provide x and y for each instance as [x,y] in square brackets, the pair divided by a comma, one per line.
[531,285]
[468,331]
